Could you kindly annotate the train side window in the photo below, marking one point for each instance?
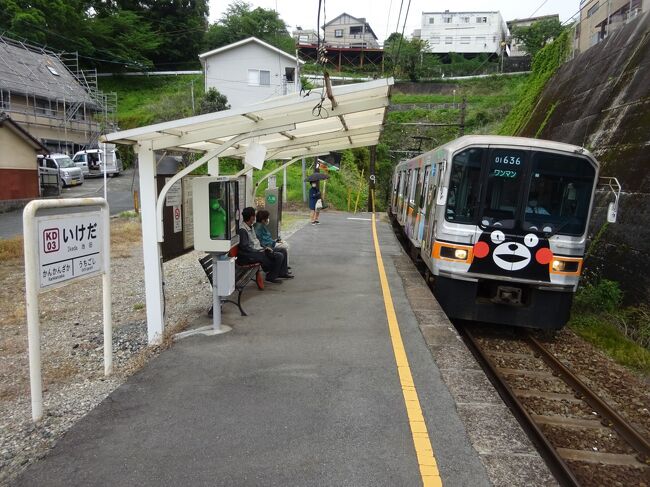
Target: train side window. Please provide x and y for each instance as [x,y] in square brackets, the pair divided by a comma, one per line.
[425,186]
[463,196]
[413,186]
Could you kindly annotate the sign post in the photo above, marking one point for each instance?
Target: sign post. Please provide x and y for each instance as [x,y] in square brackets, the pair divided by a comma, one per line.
[61,249]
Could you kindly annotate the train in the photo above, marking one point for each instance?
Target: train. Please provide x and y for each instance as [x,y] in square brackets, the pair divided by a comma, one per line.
[501,225]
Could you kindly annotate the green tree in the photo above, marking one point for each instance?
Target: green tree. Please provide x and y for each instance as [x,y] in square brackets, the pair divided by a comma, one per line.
[408,58]
[240,22]
[213,101]
[540,33]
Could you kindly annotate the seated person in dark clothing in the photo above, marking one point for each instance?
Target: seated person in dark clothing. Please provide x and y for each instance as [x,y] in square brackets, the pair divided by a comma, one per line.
[264,235]
[251,251]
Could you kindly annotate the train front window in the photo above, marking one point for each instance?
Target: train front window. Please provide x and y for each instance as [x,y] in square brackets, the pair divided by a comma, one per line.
[560,194]
[464,186]
[504,179]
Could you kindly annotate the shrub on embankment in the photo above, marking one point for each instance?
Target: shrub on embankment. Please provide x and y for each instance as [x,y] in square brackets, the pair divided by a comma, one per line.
[544,66]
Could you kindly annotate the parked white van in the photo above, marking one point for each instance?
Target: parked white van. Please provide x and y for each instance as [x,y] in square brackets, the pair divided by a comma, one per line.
[59,165]
[91,161]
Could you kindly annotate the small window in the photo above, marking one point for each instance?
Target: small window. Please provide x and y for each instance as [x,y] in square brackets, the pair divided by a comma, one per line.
[592,10]
[481,20]
[464,20]
[338,33]
[431,20]
[53,71]
[356,29]
[258,77]
[449,40]
[464,40]
[289,74]
[435,40]
[447,19]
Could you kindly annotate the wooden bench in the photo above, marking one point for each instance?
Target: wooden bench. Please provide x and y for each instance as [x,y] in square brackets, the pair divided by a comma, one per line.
[244,274]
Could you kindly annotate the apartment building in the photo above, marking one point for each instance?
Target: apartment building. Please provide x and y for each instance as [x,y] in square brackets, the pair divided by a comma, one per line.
[463,32]
[346,31]
[600,17]
[48,96]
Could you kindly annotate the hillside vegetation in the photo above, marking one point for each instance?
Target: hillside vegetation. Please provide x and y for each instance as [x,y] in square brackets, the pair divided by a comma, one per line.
[144,100]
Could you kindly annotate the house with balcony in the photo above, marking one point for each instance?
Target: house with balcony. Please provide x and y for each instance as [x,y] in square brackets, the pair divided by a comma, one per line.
[250,71]
[464,32]
[346,31]
[49,97]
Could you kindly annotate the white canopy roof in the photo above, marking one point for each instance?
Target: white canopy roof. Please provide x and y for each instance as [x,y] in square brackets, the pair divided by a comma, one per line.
[291,124]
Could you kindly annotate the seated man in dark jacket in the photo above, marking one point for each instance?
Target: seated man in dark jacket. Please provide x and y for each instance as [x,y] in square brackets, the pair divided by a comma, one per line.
[251,251]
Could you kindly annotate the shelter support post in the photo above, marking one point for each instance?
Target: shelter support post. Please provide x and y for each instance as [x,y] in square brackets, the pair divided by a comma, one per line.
[302,182]
[372,179]
[153,278]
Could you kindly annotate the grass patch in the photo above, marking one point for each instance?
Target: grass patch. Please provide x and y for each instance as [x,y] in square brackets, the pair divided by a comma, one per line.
[602,332]
[129,214]
[11,249]
[622,333]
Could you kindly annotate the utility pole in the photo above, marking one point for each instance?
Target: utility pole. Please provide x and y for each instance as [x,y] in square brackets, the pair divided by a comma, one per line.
[192,92]
[372,178]
[304,189]
[461,123]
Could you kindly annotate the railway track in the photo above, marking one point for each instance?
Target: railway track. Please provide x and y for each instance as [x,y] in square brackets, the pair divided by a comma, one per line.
[583,440]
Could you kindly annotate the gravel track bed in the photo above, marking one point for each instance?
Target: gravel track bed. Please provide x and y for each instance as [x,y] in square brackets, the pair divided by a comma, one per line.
[538,384]
[549,407]
[532,363]
[586,439]
[72,341]
[609,475]
[624,391]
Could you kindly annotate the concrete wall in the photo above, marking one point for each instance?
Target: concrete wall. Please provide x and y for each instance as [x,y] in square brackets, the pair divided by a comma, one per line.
[601,100]
[18,170]
[228,72]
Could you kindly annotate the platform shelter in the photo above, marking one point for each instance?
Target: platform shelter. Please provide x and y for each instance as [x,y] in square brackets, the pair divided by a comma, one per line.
[289,127]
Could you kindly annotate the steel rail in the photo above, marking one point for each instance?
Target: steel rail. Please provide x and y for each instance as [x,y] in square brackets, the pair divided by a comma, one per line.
[554,461]
[615,421]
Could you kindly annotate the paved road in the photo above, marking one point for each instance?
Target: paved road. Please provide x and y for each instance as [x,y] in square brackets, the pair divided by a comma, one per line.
[302,392]
[120,198]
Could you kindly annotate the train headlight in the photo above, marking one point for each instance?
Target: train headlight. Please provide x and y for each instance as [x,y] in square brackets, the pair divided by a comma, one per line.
[566,266]
[452,253]
[559,265]
[460,254]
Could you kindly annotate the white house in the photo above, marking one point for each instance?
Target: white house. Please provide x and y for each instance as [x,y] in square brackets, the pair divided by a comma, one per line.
[463,32]
[250,71]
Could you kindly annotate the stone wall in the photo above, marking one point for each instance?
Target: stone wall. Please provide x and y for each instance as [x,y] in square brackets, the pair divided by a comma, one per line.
[601,100]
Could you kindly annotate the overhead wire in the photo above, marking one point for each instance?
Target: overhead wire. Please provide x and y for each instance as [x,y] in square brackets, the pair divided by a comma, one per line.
[399,46]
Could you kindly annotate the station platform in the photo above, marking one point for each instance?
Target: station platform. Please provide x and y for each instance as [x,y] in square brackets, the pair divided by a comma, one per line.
[312,388]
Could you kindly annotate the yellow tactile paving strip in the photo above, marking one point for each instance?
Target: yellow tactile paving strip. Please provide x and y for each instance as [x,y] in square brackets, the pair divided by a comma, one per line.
[426,459]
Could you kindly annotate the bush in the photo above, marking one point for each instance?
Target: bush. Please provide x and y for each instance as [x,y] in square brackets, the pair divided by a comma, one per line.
[603,296]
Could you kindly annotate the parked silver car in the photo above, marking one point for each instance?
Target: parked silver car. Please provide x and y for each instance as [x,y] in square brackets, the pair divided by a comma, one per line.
[62,165]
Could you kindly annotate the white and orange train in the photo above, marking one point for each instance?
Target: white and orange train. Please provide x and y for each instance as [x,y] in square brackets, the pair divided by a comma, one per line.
[501,225]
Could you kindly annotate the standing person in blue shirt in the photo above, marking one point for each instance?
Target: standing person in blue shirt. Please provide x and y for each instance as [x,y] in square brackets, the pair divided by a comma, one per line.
[314,196]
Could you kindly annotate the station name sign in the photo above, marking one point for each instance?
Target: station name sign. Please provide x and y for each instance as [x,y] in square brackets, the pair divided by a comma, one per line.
[69,247]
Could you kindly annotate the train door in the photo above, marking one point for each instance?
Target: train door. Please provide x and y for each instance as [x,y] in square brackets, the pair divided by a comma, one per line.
[412,211]
[396,188]
[405,196]
[422,207]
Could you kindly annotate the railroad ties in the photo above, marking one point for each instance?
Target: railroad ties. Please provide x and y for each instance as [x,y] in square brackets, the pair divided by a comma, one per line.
[584,440]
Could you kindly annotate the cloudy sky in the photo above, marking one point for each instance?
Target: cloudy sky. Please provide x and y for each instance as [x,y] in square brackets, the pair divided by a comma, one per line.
[382,14]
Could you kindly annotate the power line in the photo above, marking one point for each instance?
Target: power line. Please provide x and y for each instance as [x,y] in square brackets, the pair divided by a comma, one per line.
[399,46]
